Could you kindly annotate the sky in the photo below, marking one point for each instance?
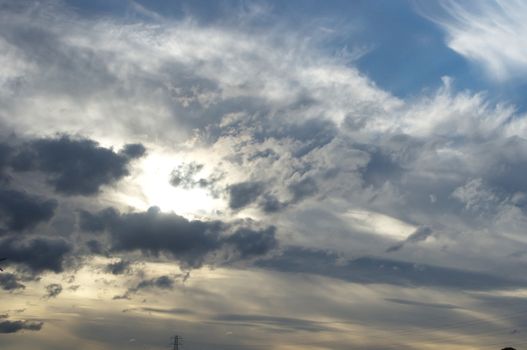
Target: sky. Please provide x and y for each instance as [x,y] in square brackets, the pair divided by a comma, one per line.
[263,174]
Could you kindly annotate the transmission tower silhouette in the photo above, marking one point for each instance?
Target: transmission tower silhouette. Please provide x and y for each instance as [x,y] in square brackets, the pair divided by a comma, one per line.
[178,342]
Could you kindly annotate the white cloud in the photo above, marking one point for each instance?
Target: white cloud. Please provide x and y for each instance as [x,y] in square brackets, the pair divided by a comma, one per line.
[161,81]
[491,33]
[379,224]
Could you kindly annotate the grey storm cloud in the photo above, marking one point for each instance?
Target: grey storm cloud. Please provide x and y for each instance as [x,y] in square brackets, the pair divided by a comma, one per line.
[76,166]
[162,282]
[5,152]
[504,160]
[16,326]
[133,150]
[381,167]
[248,242]
[97,222]
[53,290]
[270,204]
[303,188]
[119,267]
[244,193]
[95,247]
[21,211]
[9,282]
[36,253]
[190,242]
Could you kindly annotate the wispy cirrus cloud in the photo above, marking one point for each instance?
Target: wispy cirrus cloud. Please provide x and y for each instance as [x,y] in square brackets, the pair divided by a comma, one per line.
[489,33]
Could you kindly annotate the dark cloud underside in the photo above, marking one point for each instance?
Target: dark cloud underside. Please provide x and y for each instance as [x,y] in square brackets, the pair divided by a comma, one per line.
[244,193]
[16,326]
[38,254]
[9,282]
[21,211]
[191,242]
[53,290]
[76,166]
[119,267]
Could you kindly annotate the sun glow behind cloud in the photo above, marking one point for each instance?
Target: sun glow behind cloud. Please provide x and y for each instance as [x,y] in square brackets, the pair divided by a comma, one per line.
[379,224]
[151,187]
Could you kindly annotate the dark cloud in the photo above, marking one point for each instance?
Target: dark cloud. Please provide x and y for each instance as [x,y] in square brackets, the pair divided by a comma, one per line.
[303,188]
[9,282]
[370,270]
[162,282]
[38,254]
[21,211]
[505,160]
[381,166]
[420,234]
[249,242]
[190,242]
[133,150]
[53,290]
[95,247]
[96,222]
[118,268]
[244,193]
[5,152]
[267,153]
[15,326]
[76,166]
[271,204]
[153,232]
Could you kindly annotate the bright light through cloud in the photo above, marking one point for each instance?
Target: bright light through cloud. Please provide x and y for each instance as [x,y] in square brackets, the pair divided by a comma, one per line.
[152,187]
[379,224]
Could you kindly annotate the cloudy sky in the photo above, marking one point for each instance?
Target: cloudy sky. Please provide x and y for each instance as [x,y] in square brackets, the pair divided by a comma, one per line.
[263,174]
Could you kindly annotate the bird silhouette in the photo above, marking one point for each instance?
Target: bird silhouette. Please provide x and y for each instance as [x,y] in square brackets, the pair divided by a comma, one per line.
[2,260]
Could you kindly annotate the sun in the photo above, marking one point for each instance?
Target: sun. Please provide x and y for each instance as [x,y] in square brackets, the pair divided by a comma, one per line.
[152,188]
